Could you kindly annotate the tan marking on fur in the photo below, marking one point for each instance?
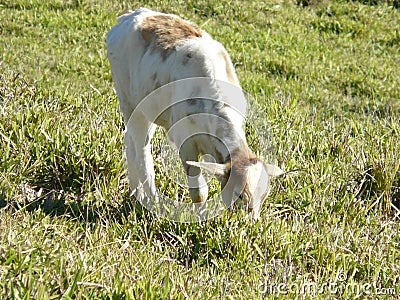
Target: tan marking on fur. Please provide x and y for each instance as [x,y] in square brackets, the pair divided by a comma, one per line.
[241,159]
[230,72]
[167,32]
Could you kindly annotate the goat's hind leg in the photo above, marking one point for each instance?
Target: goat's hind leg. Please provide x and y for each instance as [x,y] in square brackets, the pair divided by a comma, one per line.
[141,176]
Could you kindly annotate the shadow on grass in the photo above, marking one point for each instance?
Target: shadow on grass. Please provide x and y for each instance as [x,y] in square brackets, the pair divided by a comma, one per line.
[56,203]
[186,244]
[189,240]
[376,181]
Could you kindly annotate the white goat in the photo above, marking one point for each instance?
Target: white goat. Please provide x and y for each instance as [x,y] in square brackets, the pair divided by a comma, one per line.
[148,50]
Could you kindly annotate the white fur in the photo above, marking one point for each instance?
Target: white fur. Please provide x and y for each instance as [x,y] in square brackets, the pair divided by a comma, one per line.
[138,71]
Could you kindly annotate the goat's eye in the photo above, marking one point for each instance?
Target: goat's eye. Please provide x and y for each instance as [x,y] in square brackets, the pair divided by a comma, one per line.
[238,196]
[242,196]
[253,161]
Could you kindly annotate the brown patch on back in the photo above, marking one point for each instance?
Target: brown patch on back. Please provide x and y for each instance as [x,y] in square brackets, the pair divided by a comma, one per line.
[167,32]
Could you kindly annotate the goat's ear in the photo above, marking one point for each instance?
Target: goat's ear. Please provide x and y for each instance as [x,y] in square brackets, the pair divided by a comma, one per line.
[273,170]
[212,168]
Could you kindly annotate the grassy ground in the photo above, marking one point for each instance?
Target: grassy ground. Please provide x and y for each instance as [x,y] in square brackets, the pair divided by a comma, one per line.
[326,77]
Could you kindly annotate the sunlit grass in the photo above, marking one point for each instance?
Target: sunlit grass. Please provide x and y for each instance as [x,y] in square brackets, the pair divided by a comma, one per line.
[325,77]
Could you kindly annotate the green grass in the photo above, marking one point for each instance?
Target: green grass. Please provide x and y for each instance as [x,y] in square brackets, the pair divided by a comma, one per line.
[326,77]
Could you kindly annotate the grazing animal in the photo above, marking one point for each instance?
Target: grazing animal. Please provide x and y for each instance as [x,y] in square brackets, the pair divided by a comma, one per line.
[148,50]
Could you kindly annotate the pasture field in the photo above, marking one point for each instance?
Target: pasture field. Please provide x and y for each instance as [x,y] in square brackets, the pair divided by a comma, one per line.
[326,77]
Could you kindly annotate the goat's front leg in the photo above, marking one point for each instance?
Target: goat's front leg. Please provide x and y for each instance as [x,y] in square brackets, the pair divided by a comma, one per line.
[198,188]
[141,176]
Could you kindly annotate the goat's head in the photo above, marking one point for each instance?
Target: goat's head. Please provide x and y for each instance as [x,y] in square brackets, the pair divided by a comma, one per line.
[243,178]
